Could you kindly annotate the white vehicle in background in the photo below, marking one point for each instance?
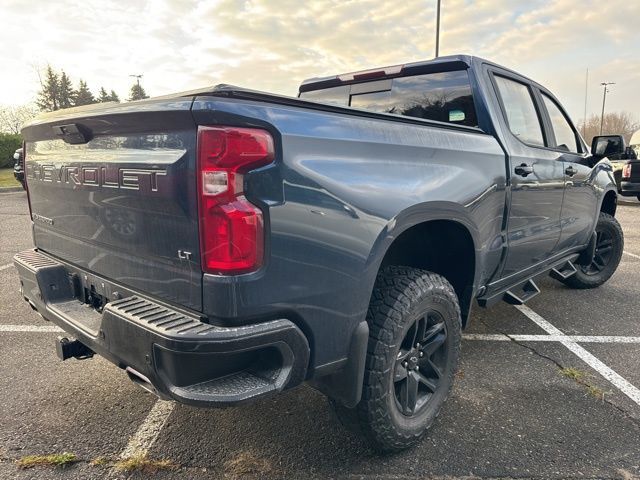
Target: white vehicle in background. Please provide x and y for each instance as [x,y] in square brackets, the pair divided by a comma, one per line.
[634,144]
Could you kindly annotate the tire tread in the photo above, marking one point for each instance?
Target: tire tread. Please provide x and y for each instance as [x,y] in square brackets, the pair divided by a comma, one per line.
[397,288]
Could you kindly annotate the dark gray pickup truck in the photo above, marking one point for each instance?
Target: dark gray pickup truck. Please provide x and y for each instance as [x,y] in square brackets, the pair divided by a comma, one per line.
[224,244]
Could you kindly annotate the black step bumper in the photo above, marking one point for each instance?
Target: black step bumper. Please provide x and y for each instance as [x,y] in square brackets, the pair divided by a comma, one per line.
[629,189]
[166,350]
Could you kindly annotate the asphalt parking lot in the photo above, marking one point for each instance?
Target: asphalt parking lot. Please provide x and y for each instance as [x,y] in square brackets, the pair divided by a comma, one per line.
[548,391]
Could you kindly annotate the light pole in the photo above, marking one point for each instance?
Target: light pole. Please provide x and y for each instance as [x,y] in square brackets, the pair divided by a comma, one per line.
[438,30]
[137,77]
[604,99]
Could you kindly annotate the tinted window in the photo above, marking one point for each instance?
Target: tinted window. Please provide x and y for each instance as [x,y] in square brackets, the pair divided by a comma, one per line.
[335,95]
[565,135]
[521,113]
[444,96]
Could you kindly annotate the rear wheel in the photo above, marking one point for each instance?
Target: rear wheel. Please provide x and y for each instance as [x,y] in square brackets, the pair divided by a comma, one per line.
[609,247]
[638,197]
[413,351]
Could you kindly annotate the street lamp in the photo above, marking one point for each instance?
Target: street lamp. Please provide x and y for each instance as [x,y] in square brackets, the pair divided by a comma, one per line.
[438,30]
[604,99]
[137,77]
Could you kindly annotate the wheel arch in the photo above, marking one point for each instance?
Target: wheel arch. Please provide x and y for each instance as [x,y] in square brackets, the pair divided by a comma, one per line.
[609,202]
[450,222]
[439,238]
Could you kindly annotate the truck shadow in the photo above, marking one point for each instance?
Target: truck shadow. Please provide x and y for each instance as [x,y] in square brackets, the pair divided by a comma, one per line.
[291,434]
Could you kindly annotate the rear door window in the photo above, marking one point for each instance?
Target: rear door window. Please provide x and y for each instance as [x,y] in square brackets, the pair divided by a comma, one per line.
[522,117]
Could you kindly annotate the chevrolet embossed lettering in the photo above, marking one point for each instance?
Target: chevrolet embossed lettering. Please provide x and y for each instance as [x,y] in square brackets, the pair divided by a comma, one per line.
[123,178]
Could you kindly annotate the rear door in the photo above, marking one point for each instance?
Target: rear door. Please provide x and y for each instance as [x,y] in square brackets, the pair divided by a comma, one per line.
[112,191]
[537,176]
[580,196]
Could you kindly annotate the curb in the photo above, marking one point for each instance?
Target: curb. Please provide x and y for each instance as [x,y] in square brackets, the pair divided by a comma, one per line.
[11,189]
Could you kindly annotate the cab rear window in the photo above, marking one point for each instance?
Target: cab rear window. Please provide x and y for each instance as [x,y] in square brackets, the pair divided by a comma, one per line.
[442,96]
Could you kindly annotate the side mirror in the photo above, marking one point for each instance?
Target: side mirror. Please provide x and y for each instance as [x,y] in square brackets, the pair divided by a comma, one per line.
[608,146]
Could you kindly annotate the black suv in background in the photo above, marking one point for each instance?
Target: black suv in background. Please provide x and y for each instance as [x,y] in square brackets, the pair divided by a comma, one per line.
[624,159]
[18,167]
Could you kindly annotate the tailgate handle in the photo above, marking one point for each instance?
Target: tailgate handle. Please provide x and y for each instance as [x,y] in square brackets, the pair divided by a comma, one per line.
[73,133]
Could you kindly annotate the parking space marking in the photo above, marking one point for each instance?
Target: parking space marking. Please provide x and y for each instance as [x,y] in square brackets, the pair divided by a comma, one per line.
[498,337]
[490,337]
[146,435]
[632,254]
[4,267]
[614,378]
[30,328]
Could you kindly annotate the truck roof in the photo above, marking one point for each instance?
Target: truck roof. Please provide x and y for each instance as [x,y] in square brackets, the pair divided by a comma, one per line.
[439,64]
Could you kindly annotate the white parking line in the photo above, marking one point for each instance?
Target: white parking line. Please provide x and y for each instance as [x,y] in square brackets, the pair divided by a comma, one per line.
[4,267]
[619,382]
[490,337]
[141,441]
[30,328]
[146,435]
[631,254]
[498,337]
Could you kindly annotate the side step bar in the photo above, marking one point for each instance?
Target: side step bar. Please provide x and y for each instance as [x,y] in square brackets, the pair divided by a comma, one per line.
[563,272]
[527,289]
[521,294]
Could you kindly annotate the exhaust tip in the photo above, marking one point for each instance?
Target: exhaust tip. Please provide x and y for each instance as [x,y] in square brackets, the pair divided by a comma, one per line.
[141,380]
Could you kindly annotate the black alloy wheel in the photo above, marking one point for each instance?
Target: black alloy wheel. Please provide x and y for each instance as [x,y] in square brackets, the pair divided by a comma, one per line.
[603,254]
[605,261]
[419,363]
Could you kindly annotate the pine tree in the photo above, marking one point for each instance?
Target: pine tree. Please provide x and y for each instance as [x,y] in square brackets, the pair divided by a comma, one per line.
[65,91]
[114,96]
[48,94]
[103,96]
[137,92]
[83,95]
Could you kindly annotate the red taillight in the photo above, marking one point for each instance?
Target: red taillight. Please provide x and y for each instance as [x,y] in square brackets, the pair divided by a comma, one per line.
[626,171]
[231,227]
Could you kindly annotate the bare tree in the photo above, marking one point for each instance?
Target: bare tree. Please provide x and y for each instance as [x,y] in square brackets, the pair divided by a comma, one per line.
[12,117]
[615,123]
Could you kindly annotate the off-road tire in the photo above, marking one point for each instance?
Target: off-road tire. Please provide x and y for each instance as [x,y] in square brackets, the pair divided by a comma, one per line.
[585,277]
[400,297]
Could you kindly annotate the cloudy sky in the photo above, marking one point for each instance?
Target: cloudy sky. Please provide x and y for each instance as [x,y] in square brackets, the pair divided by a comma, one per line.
[274,44]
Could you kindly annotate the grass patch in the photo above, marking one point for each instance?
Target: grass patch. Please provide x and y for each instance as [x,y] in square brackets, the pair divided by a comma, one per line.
[579,377]
[573,373]
[595,392]
[142,463]
[247,463]
[99,462]
[55,460]
[7,179]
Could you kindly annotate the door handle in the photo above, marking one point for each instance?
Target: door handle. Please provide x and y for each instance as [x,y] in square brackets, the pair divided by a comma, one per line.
[570,171]
[523,170]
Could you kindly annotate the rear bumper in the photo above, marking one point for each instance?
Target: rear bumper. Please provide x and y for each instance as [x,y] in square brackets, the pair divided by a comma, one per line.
[168,351]
[629,189]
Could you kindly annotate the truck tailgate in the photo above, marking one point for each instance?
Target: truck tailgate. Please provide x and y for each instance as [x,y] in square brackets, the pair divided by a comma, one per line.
[112,190]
